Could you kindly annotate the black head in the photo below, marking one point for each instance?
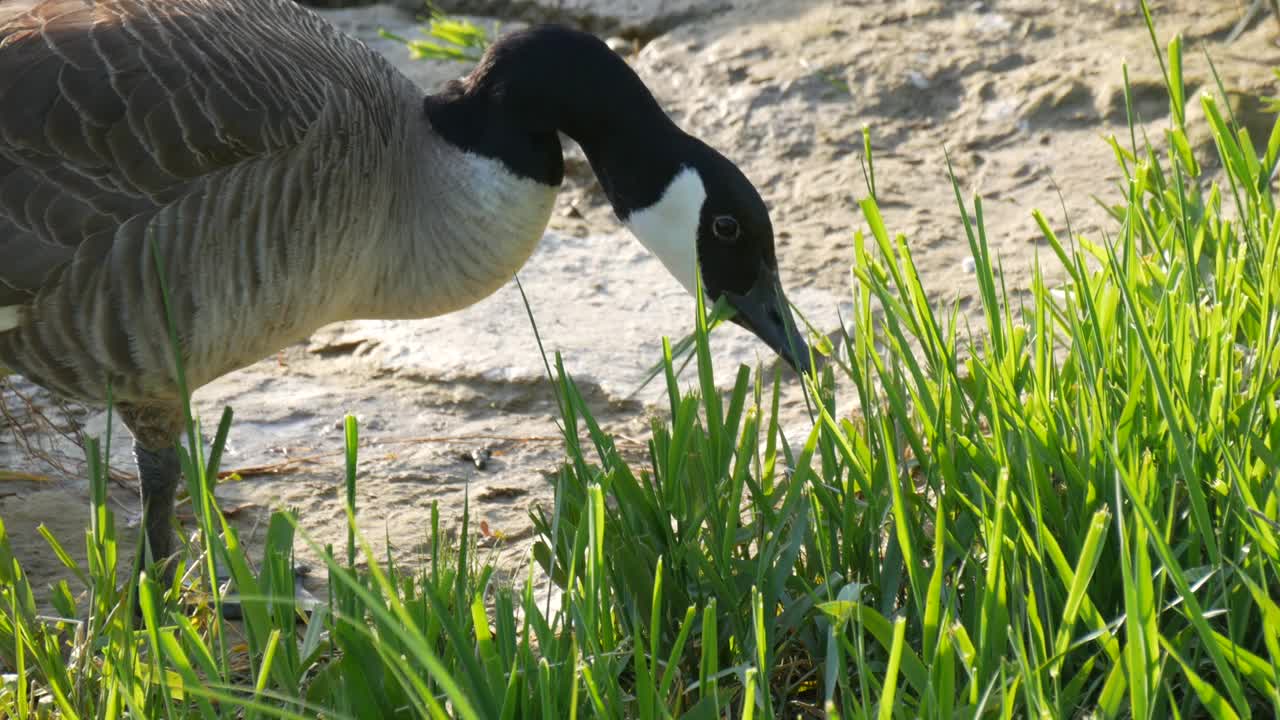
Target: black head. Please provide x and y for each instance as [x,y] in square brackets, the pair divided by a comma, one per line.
[709,216]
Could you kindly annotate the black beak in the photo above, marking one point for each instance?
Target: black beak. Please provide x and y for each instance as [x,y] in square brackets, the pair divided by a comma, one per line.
[764,311]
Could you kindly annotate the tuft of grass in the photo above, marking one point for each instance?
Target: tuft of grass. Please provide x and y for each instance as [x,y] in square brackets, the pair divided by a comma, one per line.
[1070,510]
[445,38]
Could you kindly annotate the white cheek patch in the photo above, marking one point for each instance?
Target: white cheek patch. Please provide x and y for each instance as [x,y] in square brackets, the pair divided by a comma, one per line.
[8,318]
[669,227]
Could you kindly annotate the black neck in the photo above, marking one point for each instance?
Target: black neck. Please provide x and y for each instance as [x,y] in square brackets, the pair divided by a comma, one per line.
[535,83]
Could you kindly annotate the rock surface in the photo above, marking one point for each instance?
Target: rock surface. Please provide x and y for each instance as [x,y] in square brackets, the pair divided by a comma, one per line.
[1019,93]
[635,19]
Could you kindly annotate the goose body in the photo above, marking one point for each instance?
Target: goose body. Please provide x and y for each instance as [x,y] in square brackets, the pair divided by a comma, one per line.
[287,177]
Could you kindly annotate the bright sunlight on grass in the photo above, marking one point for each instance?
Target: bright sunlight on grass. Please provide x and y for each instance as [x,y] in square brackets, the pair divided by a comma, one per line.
[1071,511]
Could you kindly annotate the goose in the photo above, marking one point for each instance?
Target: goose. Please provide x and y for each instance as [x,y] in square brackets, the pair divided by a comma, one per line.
[283,176]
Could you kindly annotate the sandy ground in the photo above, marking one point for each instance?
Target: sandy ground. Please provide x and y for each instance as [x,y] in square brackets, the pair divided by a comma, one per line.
[1021,93]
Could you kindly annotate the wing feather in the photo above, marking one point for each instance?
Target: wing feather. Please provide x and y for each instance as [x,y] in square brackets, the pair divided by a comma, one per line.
[113,109]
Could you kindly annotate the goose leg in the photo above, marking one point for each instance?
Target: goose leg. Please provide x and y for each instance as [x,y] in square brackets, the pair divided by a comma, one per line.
[159,471]
[155,431]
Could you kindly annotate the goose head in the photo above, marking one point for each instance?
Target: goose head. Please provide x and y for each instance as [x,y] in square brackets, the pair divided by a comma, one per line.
[686,202]
[709,225]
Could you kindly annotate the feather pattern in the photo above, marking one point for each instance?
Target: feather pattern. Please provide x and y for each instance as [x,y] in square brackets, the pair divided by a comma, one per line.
[283,172]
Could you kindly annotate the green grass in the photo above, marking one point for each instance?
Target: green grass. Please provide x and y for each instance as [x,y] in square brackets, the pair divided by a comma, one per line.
[445,38]
[1070,510]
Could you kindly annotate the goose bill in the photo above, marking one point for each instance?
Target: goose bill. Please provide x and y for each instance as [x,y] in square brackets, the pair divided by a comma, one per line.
[765,312]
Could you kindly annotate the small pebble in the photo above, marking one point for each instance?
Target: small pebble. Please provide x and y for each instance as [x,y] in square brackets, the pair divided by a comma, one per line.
[992,24]
[479,457]
[969,265]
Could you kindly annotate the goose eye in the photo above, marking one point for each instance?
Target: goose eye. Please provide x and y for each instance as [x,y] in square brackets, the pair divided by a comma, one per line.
[725,228]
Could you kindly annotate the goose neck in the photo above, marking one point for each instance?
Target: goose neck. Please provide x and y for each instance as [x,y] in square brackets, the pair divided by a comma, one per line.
[534,84]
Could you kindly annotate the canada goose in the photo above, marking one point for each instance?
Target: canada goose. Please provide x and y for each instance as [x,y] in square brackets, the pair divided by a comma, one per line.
[290,177]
